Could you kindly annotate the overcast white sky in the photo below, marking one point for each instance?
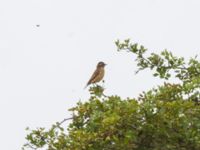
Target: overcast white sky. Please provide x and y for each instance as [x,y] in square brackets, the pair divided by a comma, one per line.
[43,69]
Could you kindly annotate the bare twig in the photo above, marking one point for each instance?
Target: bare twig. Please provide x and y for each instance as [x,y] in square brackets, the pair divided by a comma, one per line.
[65,120]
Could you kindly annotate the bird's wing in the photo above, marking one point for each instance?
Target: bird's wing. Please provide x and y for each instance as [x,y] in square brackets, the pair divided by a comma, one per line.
[96,72]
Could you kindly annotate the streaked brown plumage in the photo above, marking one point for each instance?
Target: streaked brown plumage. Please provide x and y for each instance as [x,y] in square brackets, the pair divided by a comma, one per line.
[98,74]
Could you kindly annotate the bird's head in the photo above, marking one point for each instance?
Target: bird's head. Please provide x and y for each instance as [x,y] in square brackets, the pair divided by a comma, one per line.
[101,64]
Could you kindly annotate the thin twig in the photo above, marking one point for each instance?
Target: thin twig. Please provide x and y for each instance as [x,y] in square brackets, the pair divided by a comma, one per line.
[65,120]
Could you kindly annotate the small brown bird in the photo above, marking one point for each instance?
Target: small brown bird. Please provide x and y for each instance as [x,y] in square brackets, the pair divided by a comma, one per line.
[98,74]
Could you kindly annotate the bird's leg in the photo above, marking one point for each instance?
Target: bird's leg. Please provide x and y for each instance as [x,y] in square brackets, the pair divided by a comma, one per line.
[94,84]
[103,81]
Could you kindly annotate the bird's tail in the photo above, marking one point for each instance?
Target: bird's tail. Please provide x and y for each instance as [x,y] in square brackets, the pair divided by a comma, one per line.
[85,86]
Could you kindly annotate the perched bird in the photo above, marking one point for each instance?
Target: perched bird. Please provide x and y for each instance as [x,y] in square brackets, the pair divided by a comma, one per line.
[98,74]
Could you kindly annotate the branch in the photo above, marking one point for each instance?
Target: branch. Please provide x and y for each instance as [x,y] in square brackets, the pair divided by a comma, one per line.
[65,120]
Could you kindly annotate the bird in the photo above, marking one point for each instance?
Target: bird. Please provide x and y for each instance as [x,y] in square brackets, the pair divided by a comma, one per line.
[98,74]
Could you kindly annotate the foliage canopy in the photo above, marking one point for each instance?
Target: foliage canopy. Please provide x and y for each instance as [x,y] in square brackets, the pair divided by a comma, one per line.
[163,118]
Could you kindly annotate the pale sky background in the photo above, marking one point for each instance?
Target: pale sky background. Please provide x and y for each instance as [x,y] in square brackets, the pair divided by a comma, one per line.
[43,69]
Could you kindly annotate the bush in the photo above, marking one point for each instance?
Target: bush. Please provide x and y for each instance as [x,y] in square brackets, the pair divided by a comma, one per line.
[163,118]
